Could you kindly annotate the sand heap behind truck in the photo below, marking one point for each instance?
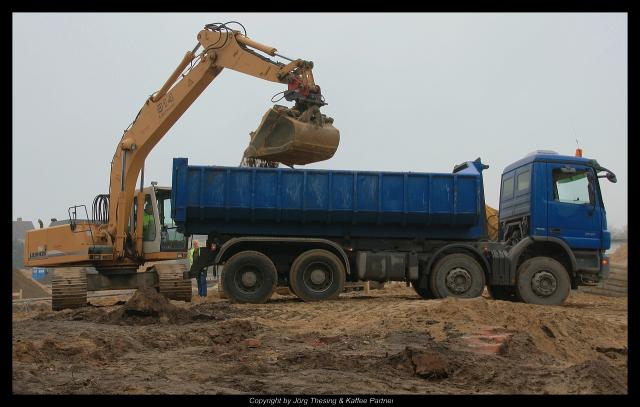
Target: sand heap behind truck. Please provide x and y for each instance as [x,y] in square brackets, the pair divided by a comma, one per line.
[312,230]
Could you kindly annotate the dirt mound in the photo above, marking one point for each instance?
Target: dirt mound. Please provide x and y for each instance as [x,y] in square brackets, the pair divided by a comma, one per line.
[148,302]
[423,362]
[146,307]
[491,215]
[597,376]
[620,255]
[30,289]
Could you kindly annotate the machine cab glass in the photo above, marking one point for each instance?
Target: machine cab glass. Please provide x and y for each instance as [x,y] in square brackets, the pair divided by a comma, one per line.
[160,233]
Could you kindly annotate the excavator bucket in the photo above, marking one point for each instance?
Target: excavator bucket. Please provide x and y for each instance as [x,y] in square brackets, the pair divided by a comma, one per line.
[291,137]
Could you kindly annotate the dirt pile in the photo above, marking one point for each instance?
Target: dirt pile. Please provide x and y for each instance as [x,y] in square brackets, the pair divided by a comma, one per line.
[492,217]
[147,306]
[30,288]
[144,307]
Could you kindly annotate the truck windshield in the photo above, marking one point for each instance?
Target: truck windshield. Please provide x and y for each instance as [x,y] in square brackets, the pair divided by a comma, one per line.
[573,187]
[171,239]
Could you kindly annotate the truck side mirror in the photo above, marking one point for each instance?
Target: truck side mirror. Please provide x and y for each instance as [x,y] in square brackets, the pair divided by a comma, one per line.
[612,177]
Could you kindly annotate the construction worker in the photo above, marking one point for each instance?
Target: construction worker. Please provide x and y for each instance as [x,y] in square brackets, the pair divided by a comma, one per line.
[201,277]
[148,223]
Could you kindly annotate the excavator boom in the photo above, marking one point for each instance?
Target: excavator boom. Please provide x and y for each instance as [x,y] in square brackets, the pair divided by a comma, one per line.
[309,135]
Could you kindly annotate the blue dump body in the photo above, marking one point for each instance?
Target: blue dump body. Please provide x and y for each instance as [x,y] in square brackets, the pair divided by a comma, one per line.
[327,203]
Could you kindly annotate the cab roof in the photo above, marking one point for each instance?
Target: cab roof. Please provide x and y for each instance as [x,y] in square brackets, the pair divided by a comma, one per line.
[550,156]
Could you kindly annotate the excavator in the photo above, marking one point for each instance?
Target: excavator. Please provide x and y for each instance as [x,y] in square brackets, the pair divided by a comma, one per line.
[113,241]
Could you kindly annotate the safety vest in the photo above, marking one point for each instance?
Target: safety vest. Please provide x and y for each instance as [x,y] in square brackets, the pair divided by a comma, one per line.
[146,220]
[190,255]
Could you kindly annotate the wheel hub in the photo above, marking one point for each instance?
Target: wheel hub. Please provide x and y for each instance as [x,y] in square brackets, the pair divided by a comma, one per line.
[544,283]
[317,276]
[458,280]
[249,278]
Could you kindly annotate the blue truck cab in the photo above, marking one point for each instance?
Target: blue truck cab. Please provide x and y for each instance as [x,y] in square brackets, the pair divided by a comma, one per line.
[551,205]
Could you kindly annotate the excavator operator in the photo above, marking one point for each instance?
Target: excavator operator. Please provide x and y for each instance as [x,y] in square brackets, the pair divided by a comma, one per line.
[148,224]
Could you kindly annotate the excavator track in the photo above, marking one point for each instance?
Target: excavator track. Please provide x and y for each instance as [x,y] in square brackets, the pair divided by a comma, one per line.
[171,284]
[69,288]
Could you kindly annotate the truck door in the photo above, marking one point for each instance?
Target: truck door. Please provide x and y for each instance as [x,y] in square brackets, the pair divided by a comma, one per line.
[160,233]
[574,214]
[170,239]
[151,227]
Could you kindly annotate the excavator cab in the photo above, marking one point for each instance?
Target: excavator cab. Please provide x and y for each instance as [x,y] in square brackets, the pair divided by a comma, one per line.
[292,137]
[160,233]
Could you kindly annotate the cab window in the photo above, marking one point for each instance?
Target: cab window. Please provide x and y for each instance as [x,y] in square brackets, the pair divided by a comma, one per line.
[573,187]
[507,189]
[523,181]
[170,238]
[148,221]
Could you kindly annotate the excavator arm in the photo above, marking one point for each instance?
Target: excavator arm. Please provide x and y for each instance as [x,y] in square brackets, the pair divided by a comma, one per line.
[221,48]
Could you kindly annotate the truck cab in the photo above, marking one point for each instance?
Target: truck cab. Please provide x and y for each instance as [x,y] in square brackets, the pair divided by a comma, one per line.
[551,205]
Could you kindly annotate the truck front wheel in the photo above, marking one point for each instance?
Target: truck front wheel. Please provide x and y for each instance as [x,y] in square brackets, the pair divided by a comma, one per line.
[543,280]
[317,275]
[457,275]
[249,276]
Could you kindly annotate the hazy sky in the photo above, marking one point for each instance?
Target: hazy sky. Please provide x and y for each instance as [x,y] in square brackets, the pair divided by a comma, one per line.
[409,92]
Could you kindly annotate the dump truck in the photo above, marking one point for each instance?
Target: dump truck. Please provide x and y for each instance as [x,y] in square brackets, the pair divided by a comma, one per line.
[121,236]
[313,230]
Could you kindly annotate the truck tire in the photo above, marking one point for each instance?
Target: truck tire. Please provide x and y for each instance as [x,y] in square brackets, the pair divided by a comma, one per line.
[543,281]
[457,275]
[422,292]
[249,277]
[503,293]
[317,275]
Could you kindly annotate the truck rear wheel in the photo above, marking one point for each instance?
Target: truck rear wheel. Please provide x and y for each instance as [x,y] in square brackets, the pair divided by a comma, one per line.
[457,275]
[542,280]
[249,276]
[317,275]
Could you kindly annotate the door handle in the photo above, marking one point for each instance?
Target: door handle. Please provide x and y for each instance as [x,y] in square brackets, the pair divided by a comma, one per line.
[555,231]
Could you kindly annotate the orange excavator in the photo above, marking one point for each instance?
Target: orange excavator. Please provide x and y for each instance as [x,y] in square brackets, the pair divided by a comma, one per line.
[130,227]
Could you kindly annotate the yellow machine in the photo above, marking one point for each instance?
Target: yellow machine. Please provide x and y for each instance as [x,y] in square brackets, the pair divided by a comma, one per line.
[123,234]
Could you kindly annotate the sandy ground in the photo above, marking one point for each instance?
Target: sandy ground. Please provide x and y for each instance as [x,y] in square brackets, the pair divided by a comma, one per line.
[386,342]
